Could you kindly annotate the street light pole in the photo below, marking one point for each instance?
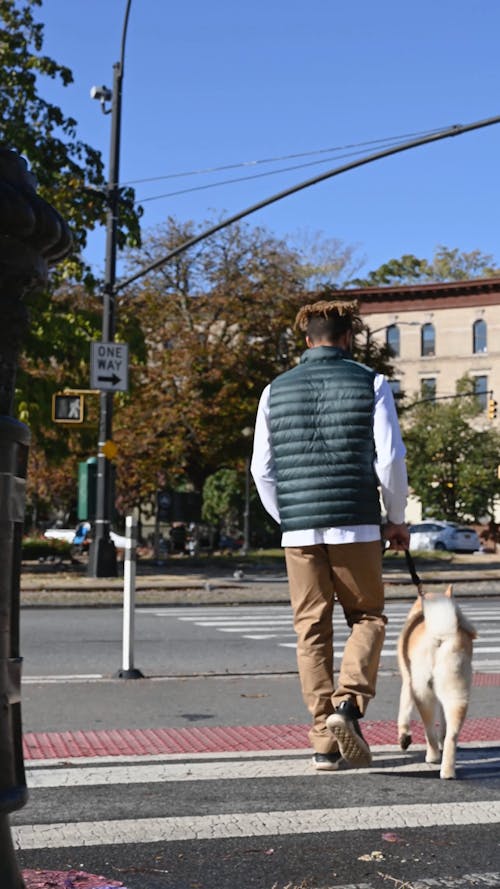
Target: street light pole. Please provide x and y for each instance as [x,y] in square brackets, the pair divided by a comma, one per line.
[247,433]
[246,513]
[102,556]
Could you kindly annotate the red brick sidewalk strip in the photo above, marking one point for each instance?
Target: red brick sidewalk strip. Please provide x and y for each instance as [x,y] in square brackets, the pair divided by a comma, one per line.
[222,739]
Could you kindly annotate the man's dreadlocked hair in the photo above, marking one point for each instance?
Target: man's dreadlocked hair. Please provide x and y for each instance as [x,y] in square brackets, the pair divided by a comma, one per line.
[328,319]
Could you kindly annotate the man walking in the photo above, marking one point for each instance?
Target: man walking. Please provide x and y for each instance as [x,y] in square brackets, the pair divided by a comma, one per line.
[326,437]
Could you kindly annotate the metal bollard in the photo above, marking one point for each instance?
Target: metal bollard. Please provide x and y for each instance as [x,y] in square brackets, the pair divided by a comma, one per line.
[128,671]
[14,446]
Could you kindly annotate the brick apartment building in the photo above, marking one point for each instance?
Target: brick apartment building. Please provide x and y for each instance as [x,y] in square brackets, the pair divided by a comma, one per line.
[438,333]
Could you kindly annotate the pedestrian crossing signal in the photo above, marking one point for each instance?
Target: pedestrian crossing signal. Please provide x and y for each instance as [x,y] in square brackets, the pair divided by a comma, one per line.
[67,408]
[492,409]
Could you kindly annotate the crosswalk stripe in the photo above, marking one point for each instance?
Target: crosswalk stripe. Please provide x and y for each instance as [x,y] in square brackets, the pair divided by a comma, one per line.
[393,627]
[276,623]
[242,621]
[490,635]
[193,614]
[392,652]
[43,777]
[301,821]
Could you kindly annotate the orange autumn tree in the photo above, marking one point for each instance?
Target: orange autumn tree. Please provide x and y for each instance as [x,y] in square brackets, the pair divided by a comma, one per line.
[216,323]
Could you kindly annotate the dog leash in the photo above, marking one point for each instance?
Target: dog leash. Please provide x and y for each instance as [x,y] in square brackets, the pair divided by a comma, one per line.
[413,571]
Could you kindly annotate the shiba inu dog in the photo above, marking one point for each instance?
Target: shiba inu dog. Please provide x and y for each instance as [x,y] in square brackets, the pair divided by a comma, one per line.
[435,662]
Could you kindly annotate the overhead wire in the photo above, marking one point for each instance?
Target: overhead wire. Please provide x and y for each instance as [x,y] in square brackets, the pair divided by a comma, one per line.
[283,157]
[394,141]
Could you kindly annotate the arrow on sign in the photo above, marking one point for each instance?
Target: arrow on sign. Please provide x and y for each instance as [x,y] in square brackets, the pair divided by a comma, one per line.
[113,379]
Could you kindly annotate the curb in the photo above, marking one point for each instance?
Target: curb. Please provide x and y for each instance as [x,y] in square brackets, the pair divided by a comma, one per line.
[222,592]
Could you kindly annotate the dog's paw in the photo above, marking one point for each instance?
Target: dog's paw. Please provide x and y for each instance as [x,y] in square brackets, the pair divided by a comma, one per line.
[447,774]
[405,740]
[433,756]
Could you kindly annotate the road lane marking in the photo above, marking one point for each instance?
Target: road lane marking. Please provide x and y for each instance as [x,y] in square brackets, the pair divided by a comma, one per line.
[71,677]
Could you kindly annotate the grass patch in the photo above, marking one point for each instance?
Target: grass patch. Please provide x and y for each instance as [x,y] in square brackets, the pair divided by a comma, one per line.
[422,555]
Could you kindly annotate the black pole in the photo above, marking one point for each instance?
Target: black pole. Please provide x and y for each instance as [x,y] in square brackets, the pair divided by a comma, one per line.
[457,130]
[102,556]
[246,513]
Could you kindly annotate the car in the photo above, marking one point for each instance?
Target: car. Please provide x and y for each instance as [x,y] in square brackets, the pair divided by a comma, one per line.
[449,536]
[68,534]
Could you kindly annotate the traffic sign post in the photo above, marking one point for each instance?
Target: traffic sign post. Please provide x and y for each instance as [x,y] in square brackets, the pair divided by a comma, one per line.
[109,367]
[108,374]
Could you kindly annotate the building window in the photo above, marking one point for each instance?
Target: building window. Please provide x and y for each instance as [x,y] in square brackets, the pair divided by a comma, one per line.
[392,339]
[428,388]
[481,391]
[396,390]
[428,340]
[479,337]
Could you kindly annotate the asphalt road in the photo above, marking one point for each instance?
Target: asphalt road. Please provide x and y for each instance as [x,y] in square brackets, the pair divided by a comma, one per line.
[206,639]
[241,820]
[212,665]
[267,822]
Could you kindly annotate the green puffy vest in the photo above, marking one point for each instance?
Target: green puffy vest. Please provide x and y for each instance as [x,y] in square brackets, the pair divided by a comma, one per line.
[321,421]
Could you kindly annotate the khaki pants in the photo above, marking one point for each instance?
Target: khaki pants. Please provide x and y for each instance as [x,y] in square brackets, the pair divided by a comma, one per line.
[317,575]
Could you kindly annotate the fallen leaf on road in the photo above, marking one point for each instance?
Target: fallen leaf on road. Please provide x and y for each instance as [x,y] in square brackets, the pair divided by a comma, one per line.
[393,838]
[372,856]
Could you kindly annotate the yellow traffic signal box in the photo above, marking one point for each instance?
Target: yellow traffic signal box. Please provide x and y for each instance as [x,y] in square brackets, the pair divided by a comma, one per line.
[68,408]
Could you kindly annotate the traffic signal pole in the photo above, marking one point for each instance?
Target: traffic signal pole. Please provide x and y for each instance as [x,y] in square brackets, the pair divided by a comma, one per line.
[447,133]
[102,555]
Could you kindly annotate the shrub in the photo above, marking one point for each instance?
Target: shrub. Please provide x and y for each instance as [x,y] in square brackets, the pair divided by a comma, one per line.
[38,547]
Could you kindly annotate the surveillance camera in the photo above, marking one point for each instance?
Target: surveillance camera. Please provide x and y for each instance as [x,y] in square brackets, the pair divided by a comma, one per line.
[102,93]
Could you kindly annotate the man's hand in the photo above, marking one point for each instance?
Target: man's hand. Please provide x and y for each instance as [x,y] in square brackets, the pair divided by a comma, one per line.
[398,536]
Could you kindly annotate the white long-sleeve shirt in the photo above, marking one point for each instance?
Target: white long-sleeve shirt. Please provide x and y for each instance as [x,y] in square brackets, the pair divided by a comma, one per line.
[390,468]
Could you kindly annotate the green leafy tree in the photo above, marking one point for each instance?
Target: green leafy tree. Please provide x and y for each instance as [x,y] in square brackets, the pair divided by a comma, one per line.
[222,499]
[56,357]
[452,462]
[69,172]
[447,264]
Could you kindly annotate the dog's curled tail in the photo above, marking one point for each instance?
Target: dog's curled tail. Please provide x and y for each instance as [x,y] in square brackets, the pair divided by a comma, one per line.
[441,619]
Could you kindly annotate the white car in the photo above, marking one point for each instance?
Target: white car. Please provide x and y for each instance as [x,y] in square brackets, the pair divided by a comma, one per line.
[448,536]
[68,534]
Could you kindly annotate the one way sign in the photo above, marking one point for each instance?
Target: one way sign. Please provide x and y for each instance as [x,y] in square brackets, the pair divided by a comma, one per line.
[109,366]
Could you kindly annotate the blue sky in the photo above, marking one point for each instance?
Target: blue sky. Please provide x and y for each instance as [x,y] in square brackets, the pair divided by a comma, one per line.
[223,83]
